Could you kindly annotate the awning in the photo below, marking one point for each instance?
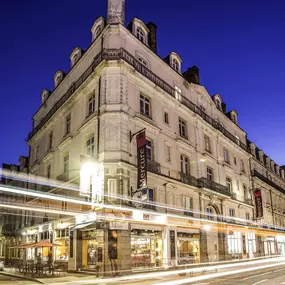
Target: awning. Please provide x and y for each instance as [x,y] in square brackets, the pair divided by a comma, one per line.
[80,226]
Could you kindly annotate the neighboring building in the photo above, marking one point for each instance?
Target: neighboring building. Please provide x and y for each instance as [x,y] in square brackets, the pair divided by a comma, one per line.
[198,158]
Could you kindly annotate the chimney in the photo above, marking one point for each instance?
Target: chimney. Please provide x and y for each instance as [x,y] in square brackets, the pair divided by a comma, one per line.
[152,36]
[116,12]
[192,75]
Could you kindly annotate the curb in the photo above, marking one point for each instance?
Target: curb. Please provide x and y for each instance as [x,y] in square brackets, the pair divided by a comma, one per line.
[21,277]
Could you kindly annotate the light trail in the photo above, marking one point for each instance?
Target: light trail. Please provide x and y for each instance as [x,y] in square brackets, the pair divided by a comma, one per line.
[153,275]
[56,197]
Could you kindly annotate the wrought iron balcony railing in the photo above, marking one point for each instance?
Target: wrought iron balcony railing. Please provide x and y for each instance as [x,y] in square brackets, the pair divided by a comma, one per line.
[188,179]
[267,181]
[206,183]
[122,54]
[153,166]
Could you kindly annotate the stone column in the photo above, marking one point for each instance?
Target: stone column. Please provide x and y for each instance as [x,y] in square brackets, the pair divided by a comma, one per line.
[165,247]
[116,12]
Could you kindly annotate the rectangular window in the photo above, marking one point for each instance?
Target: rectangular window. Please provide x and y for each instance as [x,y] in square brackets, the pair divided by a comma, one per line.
[182,128]
[66,163]
[226,156]
[187,205]
[91,104]
[142,61]
[242,166]
[67,124]
[235,160]
[167,153]
[50,139]
[149,154]
[232,212]
[207,143]
[178,93]
[245,194]
[166,119]
[144,105]
[210,173]
[150,198]
[48,171]
[90,147]
[112,188]
[63,205]
[247,216]
[234,242]
[184,162]
[229,183]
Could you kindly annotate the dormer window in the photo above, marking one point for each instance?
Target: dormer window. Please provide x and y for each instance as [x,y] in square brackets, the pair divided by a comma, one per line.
[97,32]
[218,104]
[140,34]
[45,94]
[76,55]
[175,64]
[234,118]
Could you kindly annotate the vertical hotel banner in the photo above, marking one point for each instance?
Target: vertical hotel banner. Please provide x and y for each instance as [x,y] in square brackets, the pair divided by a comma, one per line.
[142,161]
[258,204]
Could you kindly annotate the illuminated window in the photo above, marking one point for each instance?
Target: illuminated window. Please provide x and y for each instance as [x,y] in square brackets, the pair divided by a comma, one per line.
[210,213]
[178,93]
[234,242]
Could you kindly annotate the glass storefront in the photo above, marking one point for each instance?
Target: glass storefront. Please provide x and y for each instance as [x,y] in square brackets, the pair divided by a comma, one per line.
[234,243]
[146,248]
[62,251]
[250,244]
[89,249]
[188,248]
[269,246]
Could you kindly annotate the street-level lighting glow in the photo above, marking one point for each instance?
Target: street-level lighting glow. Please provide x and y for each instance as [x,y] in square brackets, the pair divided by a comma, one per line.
[207,227]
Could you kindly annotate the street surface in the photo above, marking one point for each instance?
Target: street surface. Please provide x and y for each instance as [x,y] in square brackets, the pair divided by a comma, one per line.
[4,279]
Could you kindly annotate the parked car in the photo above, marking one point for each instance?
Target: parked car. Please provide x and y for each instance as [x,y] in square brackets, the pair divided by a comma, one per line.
[1,265]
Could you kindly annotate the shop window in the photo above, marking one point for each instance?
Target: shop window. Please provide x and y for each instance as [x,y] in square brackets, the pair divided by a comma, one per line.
[234,242]
[62,251]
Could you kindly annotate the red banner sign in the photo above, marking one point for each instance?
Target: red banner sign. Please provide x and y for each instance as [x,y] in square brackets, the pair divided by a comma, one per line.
[258,204]
[142,161]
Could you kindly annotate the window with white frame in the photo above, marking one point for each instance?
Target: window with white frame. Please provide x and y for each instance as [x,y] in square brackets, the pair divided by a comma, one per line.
[112,188]
[50,139]
[175,64]
[140,34]
[142,61]
[178,93]
[67,124]
[232,212]
[210,173]
[166,118]
[207,143]
[229,183]
[149,149]
[247,216]
[90,146]
[91,104]
[245,192]
[182,128]
[66,163]
[144,105]
[167,152]
[210,212]
[226,155]
[237,139]
[184,163]
[187,205]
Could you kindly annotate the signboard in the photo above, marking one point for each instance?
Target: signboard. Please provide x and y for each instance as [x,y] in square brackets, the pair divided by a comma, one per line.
[172,244]
[142,161]
[119,226]
[258,204]
[100,254]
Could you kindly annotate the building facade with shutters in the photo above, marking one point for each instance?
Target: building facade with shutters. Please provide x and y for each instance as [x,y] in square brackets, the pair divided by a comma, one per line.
[198,161]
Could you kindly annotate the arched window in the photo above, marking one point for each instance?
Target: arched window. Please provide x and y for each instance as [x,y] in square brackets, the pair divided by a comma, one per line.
[75,58]
[140,34]
[234,118]
[237,139]
[97,31]
[175,64]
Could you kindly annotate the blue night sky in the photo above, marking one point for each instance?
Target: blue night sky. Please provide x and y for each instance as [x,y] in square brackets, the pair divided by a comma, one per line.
[238,45]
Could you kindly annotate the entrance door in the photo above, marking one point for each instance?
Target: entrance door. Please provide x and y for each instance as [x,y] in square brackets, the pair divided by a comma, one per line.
[89,253]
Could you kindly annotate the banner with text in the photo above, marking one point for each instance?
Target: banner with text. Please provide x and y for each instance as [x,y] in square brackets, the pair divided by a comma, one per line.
[142,161]
[258,204]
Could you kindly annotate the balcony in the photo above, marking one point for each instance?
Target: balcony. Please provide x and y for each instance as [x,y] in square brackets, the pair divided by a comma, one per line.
[205,183]
[267,181]
[153,166]
[64,177]
[7,229]
[188,179]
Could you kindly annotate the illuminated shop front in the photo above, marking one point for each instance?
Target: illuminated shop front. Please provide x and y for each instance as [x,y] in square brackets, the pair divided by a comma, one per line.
[62,238]
[269,246]
[235,244]
[280,244]
[146,248]
[188,247]
[89,249]
[250,244]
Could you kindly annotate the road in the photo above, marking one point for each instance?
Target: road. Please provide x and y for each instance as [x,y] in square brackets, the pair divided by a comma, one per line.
[4,279]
